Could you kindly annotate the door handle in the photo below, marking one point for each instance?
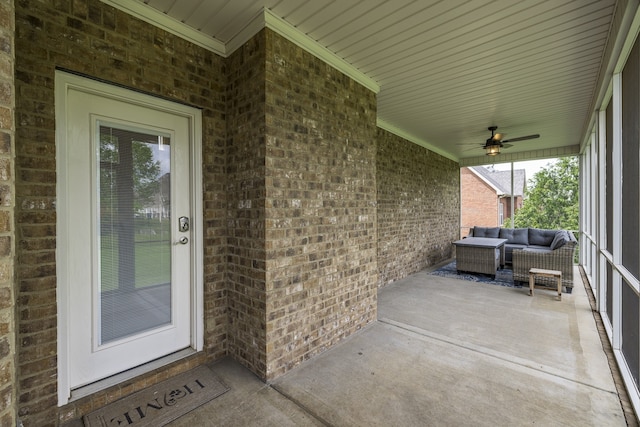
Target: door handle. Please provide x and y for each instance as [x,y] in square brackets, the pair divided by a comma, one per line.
[183,240]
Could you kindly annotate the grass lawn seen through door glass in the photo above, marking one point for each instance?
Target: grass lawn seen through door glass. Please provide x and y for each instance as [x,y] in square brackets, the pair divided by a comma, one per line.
[152,253]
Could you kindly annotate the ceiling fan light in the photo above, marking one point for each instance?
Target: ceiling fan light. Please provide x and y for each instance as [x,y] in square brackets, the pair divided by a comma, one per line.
[492,150]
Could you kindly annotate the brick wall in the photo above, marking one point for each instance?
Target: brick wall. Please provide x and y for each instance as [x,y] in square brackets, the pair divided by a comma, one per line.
[302,265]
[321,216]
[7,293]
[92,38]
[290,193]
[246,204]
[418,207]
[479,202]
[506,202]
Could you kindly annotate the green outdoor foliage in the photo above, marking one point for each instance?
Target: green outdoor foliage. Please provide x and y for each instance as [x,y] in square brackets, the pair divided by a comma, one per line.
[145,172]
[551,199]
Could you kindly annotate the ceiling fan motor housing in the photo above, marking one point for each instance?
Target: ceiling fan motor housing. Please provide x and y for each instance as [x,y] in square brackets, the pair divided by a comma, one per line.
[493,144]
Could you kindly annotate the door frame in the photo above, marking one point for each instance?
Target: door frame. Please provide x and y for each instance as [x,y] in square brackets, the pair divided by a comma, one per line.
[64,82]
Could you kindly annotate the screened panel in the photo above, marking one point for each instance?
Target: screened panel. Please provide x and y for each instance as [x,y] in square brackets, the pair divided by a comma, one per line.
[609,178]
[135,246]
[630,162]
[609,292]
[630,321]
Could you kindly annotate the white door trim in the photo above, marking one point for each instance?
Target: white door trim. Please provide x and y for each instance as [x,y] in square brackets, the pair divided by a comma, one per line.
[63,83]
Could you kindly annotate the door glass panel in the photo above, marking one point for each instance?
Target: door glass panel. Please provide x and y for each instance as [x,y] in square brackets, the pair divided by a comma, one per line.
[135,244]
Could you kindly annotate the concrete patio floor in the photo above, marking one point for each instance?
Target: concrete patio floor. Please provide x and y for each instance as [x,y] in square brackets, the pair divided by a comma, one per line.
[444,352]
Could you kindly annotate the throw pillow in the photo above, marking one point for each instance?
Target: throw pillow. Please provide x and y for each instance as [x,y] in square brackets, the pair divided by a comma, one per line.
[561,238]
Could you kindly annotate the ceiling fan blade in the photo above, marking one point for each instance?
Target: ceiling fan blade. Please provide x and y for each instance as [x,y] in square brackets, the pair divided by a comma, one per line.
[474,148]
[507,145]
[522,138]
[498,136]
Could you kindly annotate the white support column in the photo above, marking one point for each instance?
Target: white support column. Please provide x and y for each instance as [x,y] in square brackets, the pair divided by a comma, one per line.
[513,208]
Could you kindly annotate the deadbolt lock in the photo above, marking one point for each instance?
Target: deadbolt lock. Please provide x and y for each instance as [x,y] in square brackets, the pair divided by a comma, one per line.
[183,224]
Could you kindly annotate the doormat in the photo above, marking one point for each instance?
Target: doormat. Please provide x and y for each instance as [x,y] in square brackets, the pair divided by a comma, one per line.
[162,403]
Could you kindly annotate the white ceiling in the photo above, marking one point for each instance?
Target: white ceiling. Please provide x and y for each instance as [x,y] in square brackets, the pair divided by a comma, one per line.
[446,70]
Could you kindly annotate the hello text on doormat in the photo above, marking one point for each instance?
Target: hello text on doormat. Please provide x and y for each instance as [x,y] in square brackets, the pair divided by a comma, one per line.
[161,403]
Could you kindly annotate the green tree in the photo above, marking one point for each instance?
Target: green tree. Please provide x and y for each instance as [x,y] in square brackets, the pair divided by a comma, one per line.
[551,200]
[146,174]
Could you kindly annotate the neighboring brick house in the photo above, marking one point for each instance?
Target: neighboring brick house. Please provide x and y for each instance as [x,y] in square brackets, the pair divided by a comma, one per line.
[485,196]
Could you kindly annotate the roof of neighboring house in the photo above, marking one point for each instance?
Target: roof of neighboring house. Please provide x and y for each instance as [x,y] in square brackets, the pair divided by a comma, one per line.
[501,180]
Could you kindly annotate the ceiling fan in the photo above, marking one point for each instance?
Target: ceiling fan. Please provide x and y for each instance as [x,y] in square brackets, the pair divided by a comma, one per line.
[492,145]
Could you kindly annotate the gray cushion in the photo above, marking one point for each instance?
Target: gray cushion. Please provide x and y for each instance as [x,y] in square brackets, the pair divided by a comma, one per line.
[508,251]
[561,238]
[492,232]
[521,236]
[512,246]
[506,233]
[540,237]
[538,249]
[518,236]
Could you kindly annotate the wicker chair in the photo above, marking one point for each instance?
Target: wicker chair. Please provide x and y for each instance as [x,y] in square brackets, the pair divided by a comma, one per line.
[560,259]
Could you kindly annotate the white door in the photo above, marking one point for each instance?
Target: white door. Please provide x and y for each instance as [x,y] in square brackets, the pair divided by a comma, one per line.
[125,183]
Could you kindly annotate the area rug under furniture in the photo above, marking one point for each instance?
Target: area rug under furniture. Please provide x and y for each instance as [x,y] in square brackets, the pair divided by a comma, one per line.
[480,254]
[162,403]
[504,277]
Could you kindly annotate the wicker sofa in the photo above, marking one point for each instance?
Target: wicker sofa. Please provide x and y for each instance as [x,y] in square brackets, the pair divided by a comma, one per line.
[528,248]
